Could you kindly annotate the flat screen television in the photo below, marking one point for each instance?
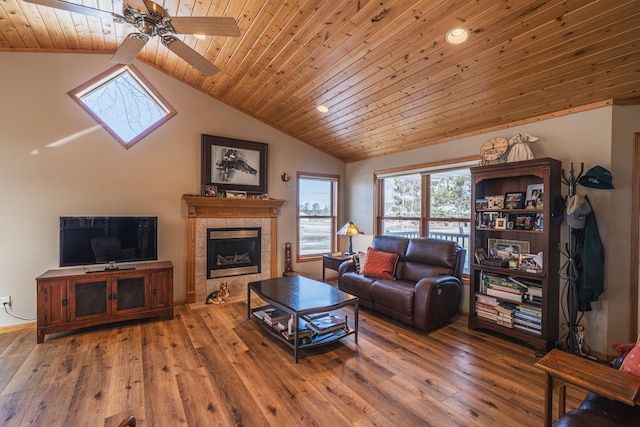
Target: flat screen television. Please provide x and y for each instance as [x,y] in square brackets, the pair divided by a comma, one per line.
[88,240]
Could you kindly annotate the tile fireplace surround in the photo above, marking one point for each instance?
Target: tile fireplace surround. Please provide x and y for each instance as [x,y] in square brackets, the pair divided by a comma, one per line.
[211,212]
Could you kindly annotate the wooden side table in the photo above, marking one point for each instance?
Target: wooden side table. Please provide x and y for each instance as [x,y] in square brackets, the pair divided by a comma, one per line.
[561,369]
[332,262]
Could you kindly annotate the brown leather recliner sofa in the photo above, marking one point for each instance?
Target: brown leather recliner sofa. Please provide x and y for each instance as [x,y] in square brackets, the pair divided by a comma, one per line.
[427,291]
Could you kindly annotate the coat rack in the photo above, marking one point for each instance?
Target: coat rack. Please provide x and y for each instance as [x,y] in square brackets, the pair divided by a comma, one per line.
[569,272]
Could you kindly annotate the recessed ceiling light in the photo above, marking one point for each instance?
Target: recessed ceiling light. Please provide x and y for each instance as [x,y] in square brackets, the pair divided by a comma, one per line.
[323,108]
[457,35]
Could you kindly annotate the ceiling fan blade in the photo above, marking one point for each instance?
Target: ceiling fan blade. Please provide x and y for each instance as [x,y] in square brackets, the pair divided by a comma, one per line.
[129,48]
[196,60]
[77,8]
[207,25]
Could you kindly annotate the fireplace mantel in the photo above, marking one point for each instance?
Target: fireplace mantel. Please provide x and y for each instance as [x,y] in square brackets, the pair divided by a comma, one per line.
[213,207]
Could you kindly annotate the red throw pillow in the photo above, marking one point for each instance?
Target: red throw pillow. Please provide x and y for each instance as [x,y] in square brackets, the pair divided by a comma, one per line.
[623,349]
[380,264]
[631,363]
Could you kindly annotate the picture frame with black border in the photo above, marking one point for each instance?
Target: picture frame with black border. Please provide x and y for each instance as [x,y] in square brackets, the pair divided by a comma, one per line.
[514,200]
[524,222]
[234,164]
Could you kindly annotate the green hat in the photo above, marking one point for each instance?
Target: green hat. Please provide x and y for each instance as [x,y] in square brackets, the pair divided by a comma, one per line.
[597,177]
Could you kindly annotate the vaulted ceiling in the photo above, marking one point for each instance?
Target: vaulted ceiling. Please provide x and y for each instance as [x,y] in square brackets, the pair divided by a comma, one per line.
[383,67]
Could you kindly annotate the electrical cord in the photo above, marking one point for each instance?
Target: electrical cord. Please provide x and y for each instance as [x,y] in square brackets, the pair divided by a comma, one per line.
[13,315]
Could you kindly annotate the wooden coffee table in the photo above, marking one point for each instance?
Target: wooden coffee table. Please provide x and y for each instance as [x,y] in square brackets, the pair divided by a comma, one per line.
[301,296]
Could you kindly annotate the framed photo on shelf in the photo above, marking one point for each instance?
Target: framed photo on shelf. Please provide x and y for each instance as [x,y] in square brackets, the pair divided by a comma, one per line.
[534,198]
[538,224]
[501,223]
[233,164]
[507,249]
[524,222]
[513,200]
[209,191]
[482,204]
[480,254]
[496,202]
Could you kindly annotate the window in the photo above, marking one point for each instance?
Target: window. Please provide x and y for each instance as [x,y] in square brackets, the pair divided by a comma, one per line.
[317,215]
[124,103]
[433,202]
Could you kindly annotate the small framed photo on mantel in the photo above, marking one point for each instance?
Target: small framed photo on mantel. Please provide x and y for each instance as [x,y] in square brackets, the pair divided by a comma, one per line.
[209,191]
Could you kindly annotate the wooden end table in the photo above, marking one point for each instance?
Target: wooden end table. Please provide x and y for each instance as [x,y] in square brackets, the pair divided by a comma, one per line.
[562,369]
[332,262]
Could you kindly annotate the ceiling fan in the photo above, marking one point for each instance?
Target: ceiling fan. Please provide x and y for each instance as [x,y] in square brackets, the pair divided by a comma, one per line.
[150,20]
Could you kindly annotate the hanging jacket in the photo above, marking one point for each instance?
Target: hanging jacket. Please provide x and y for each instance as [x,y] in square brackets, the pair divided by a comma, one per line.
[591,265]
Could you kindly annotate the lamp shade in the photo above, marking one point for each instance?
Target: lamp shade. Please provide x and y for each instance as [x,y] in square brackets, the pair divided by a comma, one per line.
[349,229]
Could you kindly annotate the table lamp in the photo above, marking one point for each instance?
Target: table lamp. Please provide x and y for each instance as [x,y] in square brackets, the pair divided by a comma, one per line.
[350,230]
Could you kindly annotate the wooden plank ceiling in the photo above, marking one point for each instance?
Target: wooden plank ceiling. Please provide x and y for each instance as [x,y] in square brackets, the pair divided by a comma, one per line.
[383,67]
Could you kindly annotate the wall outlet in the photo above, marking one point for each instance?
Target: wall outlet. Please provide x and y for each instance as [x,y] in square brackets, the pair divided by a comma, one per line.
[5,300]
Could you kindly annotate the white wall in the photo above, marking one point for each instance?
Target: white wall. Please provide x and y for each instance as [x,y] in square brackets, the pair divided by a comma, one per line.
[94,175]
[601,136]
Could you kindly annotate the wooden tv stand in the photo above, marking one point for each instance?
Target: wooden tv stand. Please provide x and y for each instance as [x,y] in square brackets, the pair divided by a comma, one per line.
[73,298]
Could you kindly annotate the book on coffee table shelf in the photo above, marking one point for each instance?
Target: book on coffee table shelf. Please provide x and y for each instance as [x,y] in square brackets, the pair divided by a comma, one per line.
[306,335]
[326,324]
[276,315]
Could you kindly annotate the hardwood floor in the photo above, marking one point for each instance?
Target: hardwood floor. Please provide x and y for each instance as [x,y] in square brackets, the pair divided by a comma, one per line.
[211,366]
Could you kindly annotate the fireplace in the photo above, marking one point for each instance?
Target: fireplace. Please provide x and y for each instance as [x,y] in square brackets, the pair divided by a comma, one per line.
[213,212]
[233,251]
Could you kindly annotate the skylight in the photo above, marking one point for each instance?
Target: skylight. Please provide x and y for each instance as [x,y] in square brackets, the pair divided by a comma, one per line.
[124,103]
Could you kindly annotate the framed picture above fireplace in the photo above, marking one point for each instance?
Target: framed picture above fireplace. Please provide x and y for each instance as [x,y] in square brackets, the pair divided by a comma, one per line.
[234,164]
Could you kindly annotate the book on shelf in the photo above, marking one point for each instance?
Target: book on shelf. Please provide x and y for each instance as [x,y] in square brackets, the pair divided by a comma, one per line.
[508,296]
[536,311]
[506,307]
[484,306]
[526,328]
[302,334]
[313,316]
[260,312]
[275,315]
[505,320]
[326,324]
[486,299]
[486,315]
[533,326]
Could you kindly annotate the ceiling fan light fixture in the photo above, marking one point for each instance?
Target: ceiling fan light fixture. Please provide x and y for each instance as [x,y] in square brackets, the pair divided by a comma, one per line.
[323,108]
[457,35]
